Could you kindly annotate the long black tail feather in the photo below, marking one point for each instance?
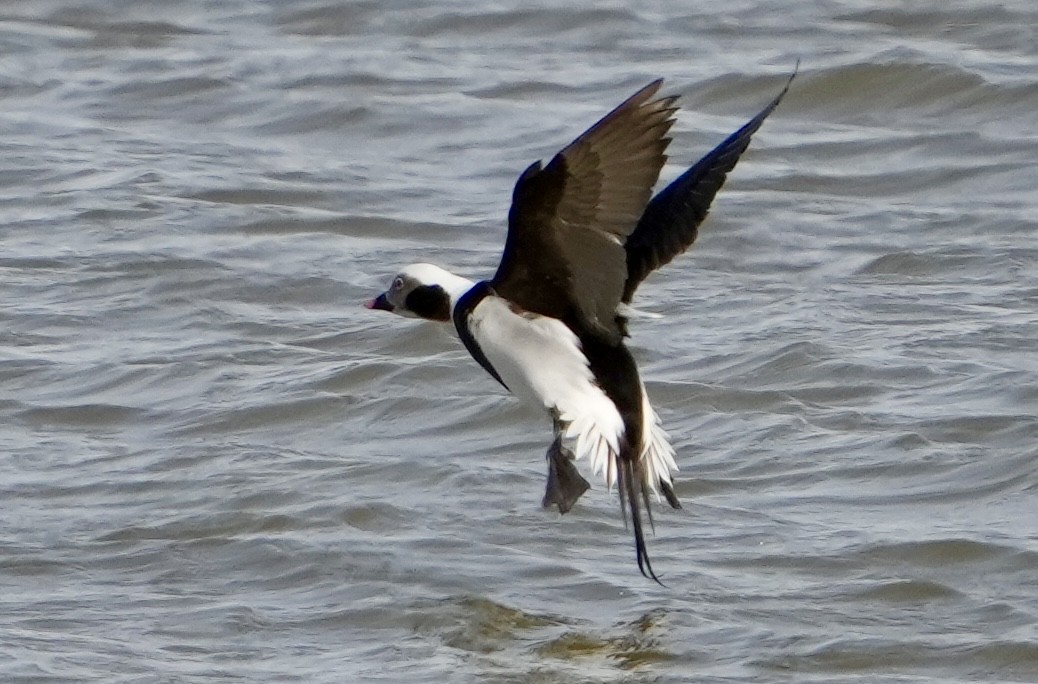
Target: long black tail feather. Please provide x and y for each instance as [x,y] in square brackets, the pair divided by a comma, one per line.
[631,484]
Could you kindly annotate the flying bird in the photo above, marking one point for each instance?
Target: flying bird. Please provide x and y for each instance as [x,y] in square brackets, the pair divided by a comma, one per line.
[584,231]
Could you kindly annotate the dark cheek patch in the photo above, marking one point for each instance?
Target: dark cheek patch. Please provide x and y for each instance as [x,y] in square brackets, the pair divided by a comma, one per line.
[429,301]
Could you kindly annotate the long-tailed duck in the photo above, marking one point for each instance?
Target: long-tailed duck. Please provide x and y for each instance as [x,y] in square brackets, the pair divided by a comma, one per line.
[583,233]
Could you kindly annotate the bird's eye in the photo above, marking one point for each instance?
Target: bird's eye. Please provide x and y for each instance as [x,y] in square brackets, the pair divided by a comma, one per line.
[398,283]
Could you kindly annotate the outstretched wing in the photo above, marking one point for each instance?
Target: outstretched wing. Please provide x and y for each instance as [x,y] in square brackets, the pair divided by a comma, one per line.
[671,220]
[564,255]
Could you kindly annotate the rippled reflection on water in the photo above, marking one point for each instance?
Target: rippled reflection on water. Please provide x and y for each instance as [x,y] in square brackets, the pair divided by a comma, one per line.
[218,466]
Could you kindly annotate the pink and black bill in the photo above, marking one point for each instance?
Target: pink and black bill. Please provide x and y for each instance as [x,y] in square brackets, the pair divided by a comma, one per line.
[380,303]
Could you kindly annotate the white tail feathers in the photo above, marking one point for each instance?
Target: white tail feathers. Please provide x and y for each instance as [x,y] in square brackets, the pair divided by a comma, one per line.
[602,449]
[598,446]
[657,454]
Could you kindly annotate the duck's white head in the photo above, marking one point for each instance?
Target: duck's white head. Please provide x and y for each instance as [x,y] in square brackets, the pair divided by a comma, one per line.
[422,291]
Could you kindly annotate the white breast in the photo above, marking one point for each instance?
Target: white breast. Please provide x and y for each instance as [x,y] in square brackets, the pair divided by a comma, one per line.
[541,362]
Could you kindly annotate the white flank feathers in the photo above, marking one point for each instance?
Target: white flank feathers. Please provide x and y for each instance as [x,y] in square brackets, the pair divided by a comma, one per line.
[541,362]
[628,311]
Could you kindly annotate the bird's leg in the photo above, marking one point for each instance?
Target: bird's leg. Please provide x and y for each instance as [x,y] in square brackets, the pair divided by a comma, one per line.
[565,484]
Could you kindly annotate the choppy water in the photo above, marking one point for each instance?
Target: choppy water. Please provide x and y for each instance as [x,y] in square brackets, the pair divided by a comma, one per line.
[216,466]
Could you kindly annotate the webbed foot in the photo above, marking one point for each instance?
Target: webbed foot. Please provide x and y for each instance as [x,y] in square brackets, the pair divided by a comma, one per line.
[565,483]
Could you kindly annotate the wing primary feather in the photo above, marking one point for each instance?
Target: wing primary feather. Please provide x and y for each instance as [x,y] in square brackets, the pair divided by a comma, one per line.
[671,220]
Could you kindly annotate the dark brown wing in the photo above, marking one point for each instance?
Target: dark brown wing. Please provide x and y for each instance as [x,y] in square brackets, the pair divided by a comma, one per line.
[671,220]
[564,255]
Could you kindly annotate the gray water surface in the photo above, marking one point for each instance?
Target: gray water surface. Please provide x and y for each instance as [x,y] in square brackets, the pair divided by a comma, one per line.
[215,465]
